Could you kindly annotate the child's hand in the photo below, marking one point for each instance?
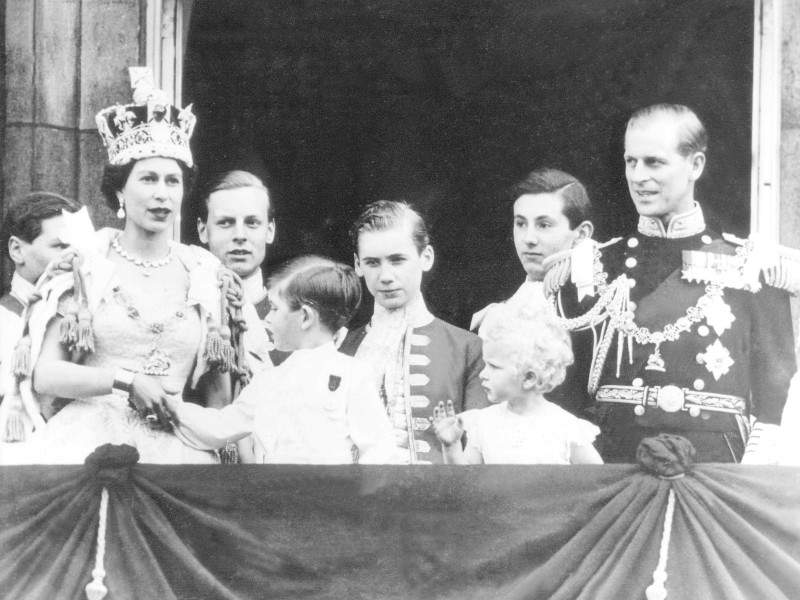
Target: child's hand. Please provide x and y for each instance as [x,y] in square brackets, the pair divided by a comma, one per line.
[448,426]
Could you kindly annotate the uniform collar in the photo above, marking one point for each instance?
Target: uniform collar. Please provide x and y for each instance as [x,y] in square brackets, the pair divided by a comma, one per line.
[254,290]
[22,289]
[683,225]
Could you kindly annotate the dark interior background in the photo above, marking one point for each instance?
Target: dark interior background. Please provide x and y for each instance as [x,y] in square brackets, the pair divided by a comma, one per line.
[446,103]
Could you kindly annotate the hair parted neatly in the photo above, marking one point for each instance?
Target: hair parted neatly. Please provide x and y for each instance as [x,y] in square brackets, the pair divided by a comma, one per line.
[24,216]
[577,207]
[693,137]
[332,289]
[387,214]
[539,344]
[234,180]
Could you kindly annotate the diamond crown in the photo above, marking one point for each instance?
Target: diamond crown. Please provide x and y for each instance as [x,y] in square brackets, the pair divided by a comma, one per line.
[150,126]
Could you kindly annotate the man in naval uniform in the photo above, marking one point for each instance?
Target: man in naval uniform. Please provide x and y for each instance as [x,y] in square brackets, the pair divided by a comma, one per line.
[238,225]
[694,332]
[418,360]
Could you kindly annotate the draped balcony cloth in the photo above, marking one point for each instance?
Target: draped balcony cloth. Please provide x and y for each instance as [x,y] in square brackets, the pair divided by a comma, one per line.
[252,531]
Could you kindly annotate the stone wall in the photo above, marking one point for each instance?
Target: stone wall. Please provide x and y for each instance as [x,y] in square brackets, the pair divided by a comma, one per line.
[65,60]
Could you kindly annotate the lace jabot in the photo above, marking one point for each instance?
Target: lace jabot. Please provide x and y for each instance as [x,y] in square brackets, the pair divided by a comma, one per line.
[382,346]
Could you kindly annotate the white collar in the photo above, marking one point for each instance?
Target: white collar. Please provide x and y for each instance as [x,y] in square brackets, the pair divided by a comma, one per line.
[532,289]
[254,290]
[312,355]
[683,225]
[415,313]
[22,289]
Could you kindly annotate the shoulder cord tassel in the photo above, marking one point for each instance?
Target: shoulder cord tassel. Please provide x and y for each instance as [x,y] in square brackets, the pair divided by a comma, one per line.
[75,331]
[557,274]
[21,363]
[219,351]
[85,337]
[14,430]
[239,326]
[242,371]
[21,401]
[614,307]
[21,369]
[657,590]
[95,590]
[68,331]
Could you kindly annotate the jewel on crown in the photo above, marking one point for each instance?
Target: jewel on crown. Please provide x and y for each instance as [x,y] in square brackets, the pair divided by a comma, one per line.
[151,126]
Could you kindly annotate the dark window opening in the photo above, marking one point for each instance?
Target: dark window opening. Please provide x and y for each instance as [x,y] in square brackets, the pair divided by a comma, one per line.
[445,103]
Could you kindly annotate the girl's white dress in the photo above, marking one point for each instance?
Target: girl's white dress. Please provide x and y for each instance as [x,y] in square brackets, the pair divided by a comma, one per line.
[504,437]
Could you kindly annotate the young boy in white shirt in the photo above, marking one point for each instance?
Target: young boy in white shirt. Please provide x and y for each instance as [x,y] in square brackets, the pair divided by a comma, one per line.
[319,406]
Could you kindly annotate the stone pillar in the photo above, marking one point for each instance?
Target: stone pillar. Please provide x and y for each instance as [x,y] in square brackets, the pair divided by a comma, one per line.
[790,126]
[790,134]
[65,60]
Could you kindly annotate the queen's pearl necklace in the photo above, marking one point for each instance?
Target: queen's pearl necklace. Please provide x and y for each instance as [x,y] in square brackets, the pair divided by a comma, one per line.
[146,265]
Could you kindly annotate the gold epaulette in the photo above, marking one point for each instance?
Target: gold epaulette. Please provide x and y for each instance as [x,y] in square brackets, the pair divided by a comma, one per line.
[557,268]
[581,264]
[753,258]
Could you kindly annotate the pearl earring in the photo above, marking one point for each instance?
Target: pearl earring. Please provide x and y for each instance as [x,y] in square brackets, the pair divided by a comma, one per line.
[121,211]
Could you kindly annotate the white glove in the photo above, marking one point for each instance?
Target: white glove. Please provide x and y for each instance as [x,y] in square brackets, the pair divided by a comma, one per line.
[762,445]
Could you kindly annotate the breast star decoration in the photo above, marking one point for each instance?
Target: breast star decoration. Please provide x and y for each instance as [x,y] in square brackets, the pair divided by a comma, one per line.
[717,359]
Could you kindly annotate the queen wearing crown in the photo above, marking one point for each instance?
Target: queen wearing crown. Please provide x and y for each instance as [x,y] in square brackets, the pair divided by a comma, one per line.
[140,317]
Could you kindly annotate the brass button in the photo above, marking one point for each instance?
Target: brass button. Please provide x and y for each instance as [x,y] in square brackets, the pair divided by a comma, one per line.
[703,330]
[638,382]
[699,384]
[706,239]
[630,262]
[633,242]
[694,411]
[638,410]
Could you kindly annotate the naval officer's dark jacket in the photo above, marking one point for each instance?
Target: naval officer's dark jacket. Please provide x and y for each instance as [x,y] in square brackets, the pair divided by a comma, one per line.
[727,352]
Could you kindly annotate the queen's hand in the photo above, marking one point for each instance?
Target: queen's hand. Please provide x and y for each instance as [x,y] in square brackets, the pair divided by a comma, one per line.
[150,398]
